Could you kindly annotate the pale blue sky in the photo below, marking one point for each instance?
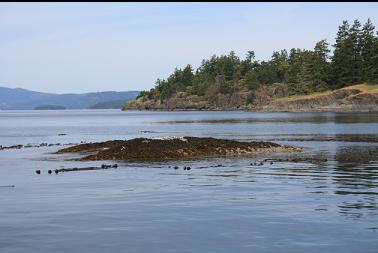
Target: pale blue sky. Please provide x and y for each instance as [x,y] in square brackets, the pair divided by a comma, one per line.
[83,47]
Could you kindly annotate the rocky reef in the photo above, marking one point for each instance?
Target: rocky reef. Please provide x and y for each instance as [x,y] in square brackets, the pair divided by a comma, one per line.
[172,148]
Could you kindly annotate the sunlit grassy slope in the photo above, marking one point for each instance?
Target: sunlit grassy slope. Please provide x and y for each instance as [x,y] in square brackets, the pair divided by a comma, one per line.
[364,88]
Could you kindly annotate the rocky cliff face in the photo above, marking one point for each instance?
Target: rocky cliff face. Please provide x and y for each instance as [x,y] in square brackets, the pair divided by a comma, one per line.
[363,98]
[183,101]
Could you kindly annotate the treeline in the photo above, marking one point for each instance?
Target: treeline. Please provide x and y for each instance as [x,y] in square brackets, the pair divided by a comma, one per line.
[354,60]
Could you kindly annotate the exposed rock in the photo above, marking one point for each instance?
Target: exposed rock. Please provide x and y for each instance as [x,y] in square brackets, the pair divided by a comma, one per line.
[143,149]
[346,99]
[275,97]
[184,101]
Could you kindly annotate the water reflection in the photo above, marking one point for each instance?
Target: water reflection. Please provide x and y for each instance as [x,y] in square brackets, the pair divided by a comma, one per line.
[319,118]
[356,177]
[349,172]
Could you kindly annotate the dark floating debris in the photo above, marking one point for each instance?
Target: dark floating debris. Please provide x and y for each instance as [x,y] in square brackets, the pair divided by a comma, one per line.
[103,167]
[61,134]
[297,160]
[8,186]
[11,147]
[176,167]
[44,144]
[210,166]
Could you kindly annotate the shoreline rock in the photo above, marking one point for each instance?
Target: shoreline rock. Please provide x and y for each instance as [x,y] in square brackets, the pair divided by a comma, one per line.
[172,148]
[357,98]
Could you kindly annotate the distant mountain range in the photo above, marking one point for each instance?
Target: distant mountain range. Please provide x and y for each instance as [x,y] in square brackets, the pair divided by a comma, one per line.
[21,99]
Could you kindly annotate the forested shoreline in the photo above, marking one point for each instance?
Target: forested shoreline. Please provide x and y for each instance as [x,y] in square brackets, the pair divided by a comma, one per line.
[352,60]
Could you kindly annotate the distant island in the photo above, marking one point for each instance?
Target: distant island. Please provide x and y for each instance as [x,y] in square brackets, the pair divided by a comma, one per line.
[21,99]
[298,80]
[50,107]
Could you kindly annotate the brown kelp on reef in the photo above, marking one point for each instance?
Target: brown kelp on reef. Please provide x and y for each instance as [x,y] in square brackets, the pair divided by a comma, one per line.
[172,148]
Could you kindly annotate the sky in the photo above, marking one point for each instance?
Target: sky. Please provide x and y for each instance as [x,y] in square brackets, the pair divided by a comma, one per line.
[87,47]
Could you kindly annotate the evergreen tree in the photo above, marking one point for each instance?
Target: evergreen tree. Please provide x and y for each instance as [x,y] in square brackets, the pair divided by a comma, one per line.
[374,62]
[295,63]
[342,57]
[355,44]
[320,67]
[367,50]
[248,64]
[187,76]
[322,50]
[281,65]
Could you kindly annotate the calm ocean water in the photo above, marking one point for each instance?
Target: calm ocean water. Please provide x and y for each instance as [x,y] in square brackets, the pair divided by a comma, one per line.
[330,206]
